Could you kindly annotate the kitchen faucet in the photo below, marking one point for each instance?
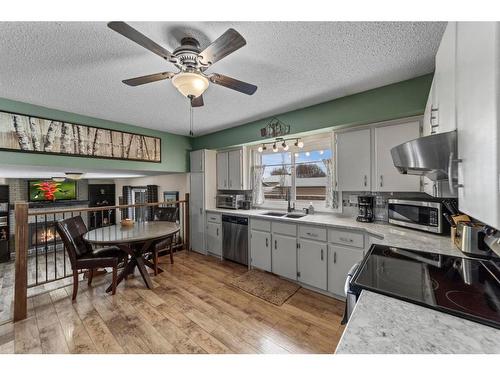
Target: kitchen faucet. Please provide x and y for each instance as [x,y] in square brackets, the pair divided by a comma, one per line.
[288,198]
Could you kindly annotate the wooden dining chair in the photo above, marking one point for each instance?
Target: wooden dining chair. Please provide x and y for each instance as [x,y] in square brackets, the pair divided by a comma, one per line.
[165,246]
[81,254]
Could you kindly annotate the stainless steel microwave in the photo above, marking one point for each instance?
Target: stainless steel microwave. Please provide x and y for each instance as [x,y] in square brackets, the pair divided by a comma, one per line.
[417,214]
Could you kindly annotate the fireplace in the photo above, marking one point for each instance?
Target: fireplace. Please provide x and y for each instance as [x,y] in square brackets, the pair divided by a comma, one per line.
[41,234]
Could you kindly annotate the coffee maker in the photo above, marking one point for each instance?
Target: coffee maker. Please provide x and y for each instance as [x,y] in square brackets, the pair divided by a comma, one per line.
[365,206]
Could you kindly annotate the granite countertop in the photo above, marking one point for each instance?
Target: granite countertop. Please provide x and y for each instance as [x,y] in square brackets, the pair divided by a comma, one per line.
[381,233]
[381,324]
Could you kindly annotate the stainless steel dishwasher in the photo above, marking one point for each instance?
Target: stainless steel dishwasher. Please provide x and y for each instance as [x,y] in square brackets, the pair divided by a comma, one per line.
[235,238]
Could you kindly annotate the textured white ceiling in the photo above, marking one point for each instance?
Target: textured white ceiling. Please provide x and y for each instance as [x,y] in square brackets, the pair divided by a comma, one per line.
[78,67]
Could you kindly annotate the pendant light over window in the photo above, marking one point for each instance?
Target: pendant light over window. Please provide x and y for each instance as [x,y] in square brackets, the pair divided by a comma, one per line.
[284,143]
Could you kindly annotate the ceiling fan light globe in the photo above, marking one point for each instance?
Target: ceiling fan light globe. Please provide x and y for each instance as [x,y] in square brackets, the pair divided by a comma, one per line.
[74,175]
[190,84]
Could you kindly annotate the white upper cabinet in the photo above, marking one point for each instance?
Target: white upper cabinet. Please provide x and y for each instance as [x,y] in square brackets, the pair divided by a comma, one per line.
[232,169]
[444,81]
[235,169]
[197,160]
[386,176]
[222,170]
[364,161]
[354,160]
[429,121]
[478,101]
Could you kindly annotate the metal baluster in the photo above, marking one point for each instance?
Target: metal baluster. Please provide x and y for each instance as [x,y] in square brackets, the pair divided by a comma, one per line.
[46,251]
[102,218]
[64,249]
[36,249]
[55,246]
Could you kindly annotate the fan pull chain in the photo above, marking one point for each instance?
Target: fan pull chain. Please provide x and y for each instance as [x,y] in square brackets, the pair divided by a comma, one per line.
[190,120]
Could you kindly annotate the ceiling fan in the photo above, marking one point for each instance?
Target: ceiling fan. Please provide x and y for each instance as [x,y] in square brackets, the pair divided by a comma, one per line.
[191,79]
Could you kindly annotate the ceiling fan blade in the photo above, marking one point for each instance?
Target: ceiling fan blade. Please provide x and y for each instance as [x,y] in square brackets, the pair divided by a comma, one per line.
[197,102]
[148,79]
[134,35]
[234,84]
[227,43]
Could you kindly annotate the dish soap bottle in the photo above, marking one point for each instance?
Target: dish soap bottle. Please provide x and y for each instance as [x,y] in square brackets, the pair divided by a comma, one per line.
[311,208]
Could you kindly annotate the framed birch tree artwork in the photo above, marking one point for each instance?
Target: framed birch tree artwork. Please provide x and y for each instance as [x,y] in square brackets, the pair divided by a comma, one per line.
[38,135]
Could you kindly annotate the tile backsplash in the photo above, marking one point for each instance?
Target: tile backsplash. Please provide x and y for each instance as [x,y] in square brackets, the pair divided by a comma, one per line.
[380,207]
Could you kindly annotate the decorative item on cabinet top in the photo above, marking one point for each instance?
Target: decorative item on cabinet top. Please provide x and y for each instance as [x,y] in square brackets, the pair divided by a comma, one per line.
[24,133]
[275,128]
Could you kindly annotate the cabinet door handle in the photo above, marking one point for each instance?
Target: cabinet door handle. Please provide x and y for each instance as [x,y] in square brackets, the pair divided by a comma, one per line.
[201,211]
[225,183]
[381,180]
[365,180]
[334,257]
[451,182]
[322,254]
[275,244]
[217,232]
[267,242]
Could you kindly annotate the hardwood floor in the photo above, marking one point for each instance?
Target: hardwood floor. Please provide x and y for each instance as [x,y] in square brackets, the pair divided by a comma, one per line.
[41,268]
[192,309]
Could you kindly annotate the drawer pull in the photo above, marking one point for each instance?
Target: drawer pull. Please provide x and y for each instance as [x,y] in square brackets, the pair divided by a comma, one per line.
[343,239]
[312,234]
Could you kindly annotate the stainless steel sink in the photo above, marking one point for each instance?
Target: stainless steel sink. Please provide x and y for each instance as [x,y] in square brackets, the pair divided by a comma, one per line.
[284,214]
[275,214]
[295,216]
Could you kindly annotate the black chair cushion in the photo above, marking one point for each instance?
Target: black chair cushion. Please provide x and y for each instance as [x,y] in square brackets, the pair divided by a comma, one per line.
[108,252]
[103,257]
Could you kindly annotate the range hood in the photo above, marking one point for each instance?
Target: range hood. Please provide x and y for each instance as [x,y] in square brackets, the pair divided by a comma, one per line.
[429,156]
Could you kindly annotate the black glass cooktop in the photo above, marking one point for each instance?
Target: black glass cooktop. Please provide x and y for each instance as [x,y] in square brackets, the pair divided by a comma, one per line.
[469,288]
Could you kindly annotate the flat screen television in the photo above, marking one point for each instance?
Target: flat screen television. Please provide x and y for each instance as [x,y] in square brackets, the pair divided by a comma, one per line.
[51,191]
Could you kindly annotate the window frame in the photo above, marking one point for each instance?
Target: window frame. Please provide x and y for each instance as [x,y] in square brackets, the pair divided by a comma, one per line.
[312,143]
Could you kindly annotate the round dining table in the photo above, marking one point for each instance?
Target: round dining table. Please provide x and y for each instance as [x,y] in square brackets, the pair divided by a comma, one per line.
[136,241]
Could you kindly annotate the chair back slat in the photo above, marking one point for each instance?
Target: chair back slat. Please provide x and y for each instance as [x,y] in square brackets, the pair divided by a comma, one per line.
[166,214]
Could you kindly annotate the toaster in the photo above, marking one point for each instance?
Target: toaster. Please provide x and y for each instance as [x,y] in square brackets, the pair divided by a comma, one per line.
[469,238]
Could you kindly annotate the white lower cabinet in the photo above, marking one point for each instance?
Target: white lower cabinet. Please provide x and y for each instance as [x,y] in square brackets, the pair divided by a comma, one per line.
[340,261]
[214,238]
[260,250]
[312,263]
[284,256]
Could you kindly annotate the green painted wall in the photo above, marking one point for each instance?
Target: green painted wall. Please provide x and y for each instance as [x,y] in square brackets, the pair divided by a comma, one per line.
[402,99]
[175,148]
[394,101]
